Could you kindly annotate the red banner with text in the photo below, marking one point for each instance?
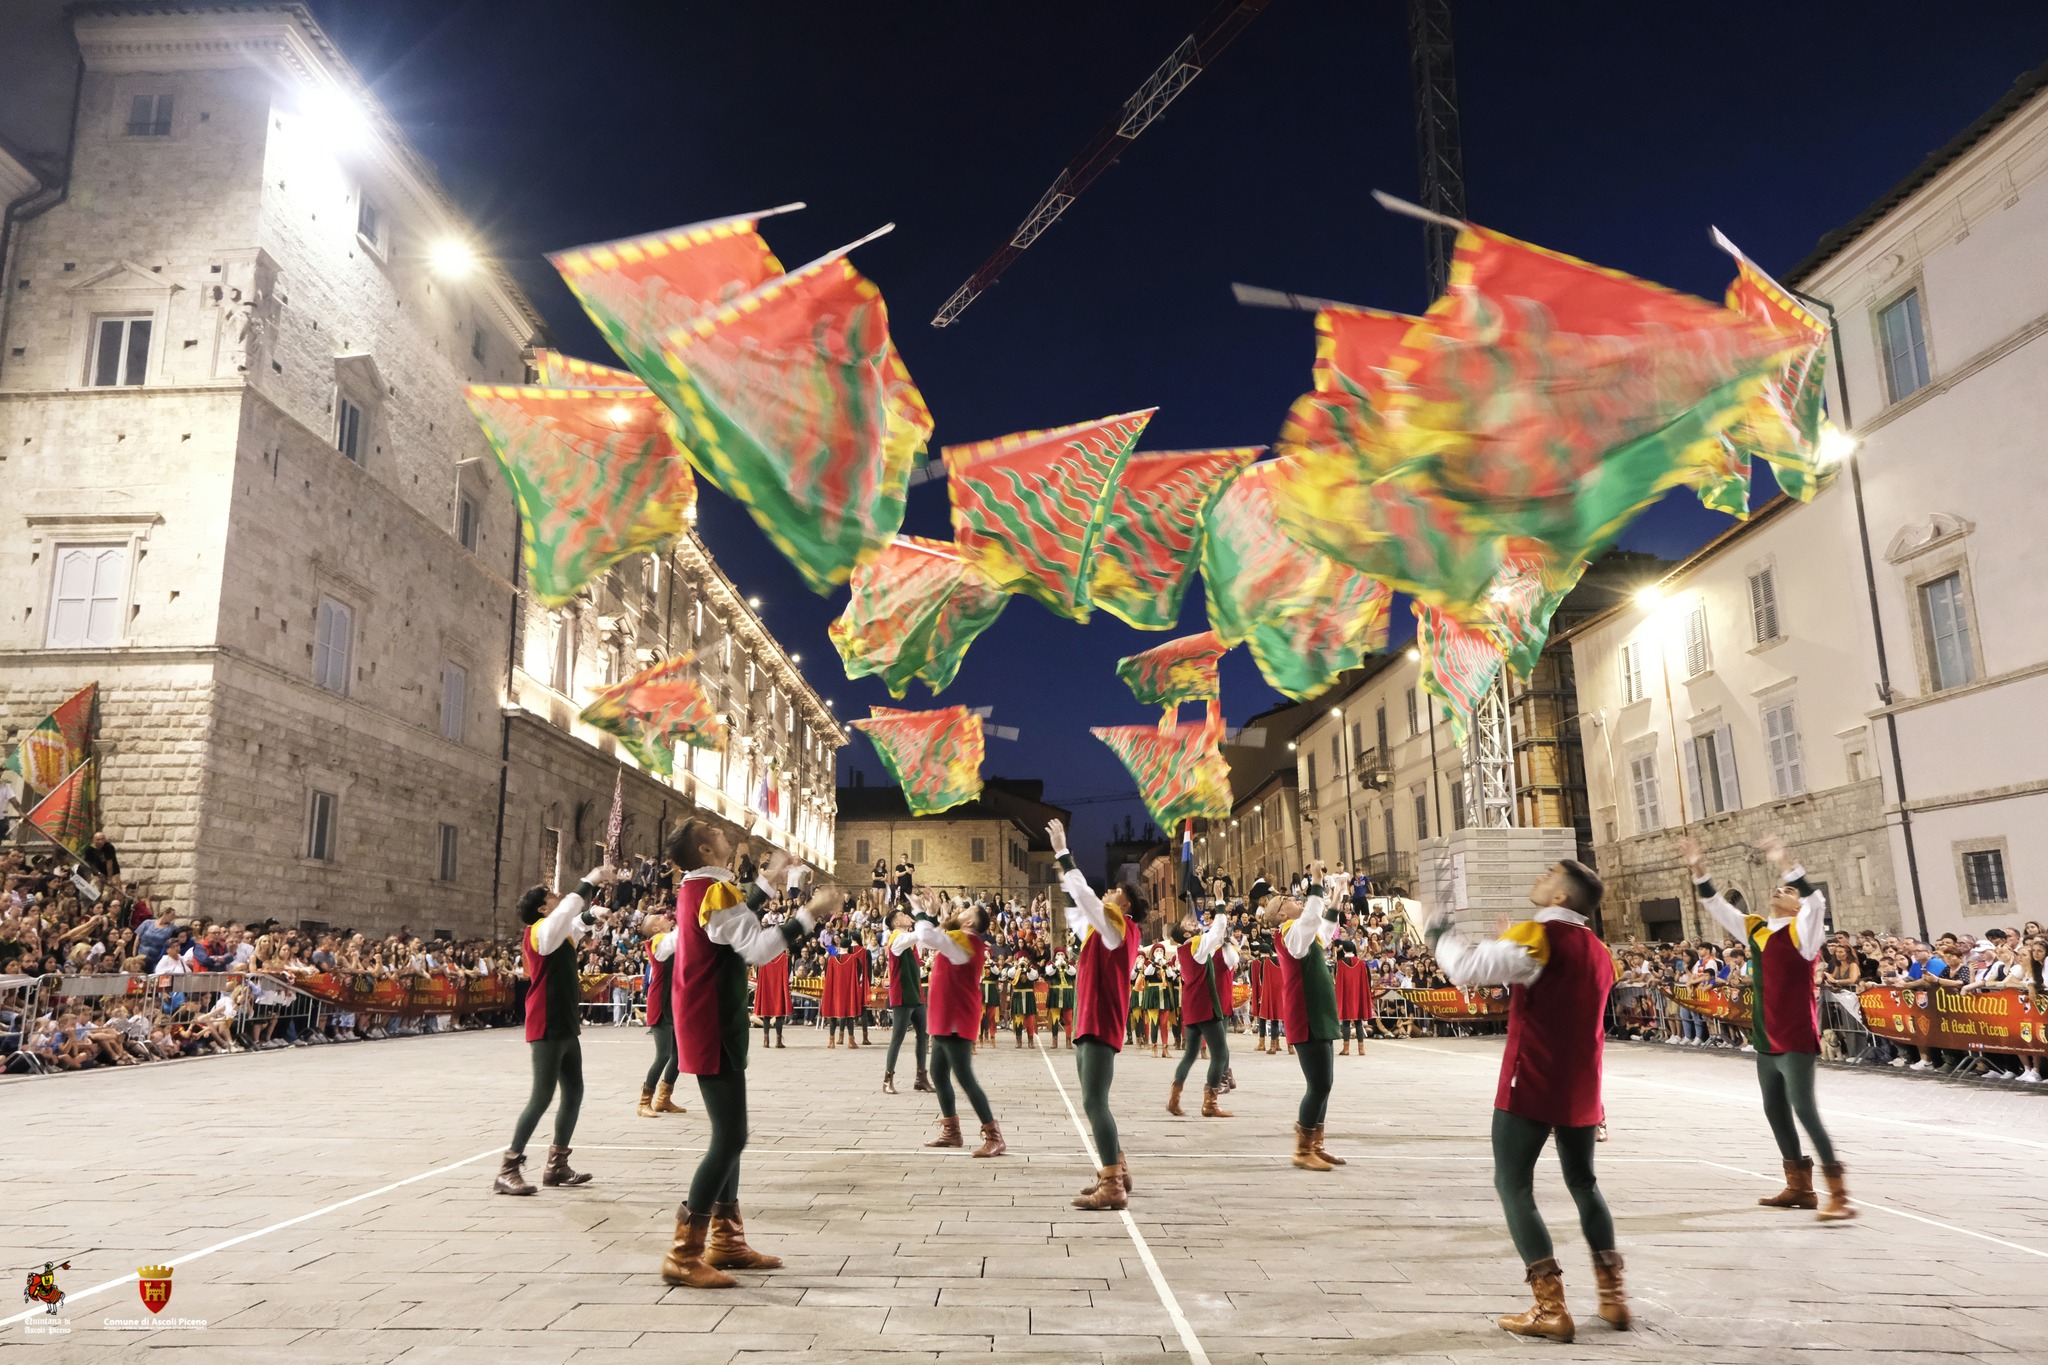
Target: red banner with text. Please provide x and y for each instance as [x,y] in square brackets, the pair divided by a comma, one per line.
[1977,1021]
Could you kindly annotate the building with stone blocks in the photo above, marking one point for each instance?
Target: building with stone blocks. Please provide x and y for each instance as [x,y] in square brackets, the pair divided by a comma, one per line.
[245,496]
[994,844]
[1263,835]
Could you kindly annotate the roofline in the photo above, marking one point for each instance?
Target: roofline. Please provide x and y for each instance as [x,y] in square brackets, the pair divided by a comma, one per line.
[1770,511]
[2024,89]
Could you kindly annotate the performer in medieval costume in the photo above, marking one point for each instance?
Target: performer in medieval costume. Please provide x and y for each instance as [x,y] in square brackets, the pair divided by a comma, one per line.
[1151,973]
[772,1000]
[1559,974]
[1023,987]
[906,1000]
[839,999]
[958,938]
[1206,961]
[995,994]
[555,924]
[1059,999]
[1784,1028]
[1302,932]
[719,934]
[1169,999]
[658,1089]
[864,981]
[1354,996]
[1111,940]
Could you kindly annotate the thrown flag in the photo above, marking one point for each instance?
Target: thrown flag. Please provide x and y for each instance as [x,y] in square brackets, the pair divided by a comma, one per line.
[1179,769]
[935,756]
[1178,671]
[554,370]
[1028,508]
[1785,419]
[1152,537]
[914,610]
[1459,663]
[656,709]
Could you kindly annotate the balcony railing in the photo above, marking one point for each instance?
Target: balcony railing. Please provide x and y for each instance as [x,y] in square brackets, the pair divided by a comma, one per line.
[1394,868]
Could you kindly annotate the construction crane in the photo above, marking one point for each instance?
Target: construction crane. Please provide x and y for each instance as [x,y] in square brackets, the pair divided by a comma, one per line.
[1194,55]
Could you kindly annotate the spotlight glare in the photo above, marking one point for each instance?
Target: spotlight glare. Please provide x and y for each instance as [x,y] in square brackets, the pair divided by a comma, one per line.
[1649,596]
[1835,446]
[451,258]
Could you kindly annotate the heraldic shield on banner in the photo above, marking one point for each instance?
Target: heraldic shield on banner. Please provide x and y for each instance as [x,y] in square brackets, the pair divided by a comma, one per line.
[153,1282]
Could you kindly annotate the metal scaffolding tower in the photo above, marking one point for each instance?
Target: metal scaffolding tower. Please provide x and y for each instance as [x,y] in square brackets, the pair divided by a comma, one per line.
[1439,149]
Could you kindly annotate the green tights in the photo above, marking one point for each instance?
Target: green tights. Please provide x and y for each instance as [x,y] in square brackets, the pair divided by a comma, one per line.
[1517,1142]
[557,1063]
[663,1072]
[1096,1061]
[1319,1070]
[1787,1081]
[1219,1053]
[717,1180]
[953,1057]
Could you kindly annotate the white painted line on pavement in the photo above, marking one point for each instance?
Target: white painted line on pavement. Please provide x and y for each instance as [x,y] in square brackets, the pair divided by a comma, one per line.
[1188,1340]
[1887,1208]
[204,1252]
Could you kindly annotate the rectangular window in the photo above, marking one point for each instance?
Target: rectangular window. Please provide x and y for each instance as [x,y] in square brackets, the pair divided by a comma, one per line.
[450,838]
[1710,771]
[149,116]
[333,643]
[1457,803]
[476,343]
[320,813]
[120,351]
[1631,673]
[369,222]
[551,858]
[1311,776]
[1642,782]
[348,429]
[1337,755]
[1947,624]
[87,592]
[1697,660]
[1381,716]
[860,853]
[1364,838]
[1343,852]
[1421,815]
[917,850]
[1984,876]
[1357,743]
[454,701]
[1387,828]
[468,519]
[1763,606]
[562,668]
[977,850]
[1902,339]
[1781,736]
[1414,714]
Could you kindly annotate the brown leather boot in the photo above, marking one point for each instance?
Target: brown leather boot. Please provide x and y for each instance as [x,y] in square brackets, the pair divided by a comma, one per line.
[728,1249]
[1838,1205]
[949,1133]
[849,1040]
[1305,1151]
[1798,1191]
[778,1038]
[924,1081]
[646,1109]
[1548,1317]
[992,1143]
[1173,1101]
[665,1099]
[685,1264]
[557,1171]
[888,1082]
[1613,1302]
[510,1180]
[1107,1194]
[1317,1142]
[1123,1171]
[1346,1052]
[1211,1109]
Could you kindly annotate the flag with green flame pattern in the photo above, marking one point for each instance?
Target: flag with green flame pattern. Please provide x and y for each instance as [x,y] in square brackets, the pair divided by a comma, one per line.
[655,710]
[1179,769]
[1178,671]
[914,610]
[1152,538]
[935,756]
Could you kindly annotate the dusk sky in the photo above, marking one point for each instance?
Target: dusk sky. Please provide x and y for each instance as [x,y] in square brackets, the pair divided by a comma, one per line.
[1614,131]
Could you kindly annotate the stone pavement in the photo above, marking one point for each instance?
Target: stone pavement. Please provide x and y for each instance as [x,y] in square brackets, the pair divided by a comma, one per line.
[897,1254]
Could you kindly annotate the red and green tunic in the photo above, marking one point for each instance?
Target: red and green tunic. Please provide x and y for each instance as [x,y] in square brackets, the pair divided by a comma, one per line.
[1782,953]
[1308,991]
[1102,995]
[709,998]
[553,991]
[906,981]
[661,972]
[954,1010]
[1550,1071]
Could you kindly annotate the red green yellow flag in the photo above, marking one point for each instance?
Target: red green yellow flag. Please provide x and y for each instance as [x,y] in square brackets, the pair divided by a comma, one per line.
[935,756]
[1302,651]
[1028,509]
[914,610]
[1152,537]
[67,815]
[1177,671]
[793,400]
[595,472]
[1179,769]
[59,742]
[1342,416]
[554,370]
[1459,663]
[1785,418]
[655,710]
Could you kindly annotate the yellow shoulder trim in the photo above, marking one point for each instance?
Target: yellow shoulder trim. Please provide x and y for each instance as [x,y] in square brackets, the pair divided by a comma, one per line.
[1755,929]
[720,895]
[965,940]
[530,942]
[1531,935]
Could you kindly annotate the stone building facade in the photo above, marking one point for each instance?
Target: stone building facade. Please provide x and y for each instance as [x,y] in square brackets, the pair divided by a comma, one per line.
[246,497]
[995,843]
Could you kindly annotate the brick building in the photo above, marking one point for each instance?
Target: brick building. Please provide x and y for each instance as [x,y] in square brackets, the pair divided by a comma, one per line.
[245,497]
[995,843]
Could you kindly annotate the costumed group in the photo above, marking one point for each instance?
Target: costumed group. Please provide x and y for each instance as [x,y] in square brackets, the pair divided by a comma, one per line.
[1556,968]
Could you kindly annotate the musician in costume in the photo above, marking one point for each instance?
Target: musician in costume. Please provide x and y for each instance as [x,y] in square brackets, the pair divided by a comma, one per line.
[1151,974]
[657,1090]
[1206,960]
[1111,929]
[555,924]
[1302,932]
[1059,999]
[1785,1025]
[1169,1000]
[839,999]
[719,934]
[1354,996]
[994,995]
[1559,974]
[1023,985]
[906,1000]
[958,938]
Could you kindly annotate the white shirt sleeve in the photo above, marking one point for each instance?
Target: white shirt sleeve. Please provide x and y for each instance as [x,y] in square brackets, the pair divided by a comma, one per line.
[737,928]
[1310,928]
[1216,936]
[931,937]
[664,946]
[1725,915]
[902,941]
[1088,907]
[564,923]
[1493,962]
[1811,923]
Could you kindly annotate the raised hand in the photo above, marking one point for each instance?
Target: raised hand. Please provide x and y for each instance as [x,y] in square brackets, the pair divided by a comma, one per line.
[1695,856]
[826,902]
[1772,847]
[1056,833]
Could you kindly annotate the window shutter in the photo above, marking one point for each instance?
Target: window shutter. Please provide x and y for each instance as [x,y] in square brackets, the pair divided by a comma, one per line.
[1724,750]
[1696,641]
[1692,776]
[1763,605]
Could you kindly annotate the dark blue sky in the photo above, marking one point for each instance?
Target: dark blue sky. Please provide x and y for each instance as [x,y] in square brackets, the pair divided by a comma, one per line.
[1614,130]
